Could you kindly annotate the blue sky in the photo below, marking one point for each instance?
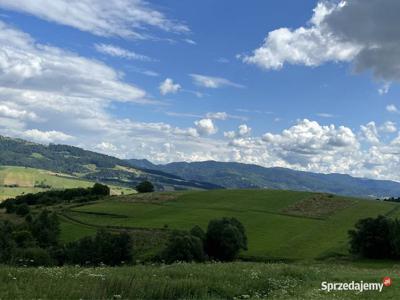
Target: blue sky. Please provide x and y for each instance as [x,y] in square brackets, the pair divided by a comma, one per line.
[307,85]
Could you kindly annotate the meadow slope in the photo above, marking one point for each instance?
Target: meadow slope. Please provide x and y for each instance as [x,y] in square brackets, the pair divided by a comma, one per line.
[15,181]
[280,224]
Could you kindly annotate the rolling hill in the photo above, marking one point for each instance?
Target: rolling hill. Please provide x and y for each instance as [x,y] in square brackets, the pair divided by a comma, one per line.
[87,165]
[237,175]
[283,225]
[15,181]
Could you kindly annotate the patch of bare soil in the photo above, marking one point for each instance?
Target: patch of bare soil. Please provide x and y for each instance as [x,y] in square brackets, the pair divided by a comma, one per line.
[149,197]
[319,206]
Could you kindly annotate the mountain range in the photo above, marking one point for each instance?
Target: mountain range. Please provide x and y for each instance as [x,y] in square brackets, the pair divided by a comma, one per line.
[233,175]
[94,166]
[88,165]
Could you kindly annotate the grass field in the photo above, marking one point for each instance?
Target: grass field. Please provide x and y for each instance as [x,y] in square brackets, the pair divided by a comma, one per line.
[28,180]
[193,281]
[280,224]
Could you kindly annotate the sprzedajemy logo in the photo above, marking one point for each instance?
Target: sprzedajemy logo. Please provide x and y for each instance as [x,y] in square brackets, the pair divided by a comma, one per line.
[359,286]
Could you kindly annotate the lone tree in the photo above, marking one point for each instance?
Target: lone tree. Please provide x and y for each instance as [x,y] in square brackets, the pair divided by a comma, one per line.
[145,187]
[225,238]
[373,238]
[100,189]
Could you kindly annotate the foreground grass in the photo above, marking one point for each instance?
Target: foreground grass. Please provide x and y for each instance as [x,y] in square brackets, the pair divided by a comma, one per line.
[191,281]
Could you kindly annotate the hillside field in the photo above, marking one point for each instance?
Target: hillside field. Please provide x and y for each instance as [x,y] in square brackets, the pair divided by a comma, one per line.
[15,181]
[280,224]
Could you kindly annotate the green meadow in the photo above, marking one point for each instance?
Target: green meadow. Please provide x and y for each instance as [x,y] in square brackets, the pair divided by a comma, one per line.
[15,181]
[283,225]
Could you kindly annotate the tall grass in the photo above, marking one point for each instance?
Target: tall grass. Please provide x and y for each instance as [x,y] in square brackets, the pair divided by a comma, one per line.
[188,281]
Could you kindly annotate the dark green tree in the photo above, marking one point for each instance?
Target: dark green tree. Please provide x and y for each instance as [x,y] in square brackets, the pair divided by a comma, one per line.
[372,237]
[100,189]
[22,210]
[46,229]
[145,187]
[225,238]
[7,243]
[183,246]
[198,232]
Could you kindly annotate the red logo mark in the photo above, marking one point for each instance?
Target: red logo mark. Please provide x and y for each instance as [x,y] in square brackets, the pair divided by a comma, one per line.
[387,281]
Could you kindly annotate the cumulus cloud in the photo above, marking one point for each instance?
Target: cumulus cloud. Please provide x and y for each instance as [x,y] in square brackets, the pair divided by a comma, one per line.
[392,108]
[122,18]
[213,82]
[388,127]
[9,112]
[116,51]
[310,46]
[242,131]
[206,127]
[46,136]
[169,87]
[369,132]
[362,32]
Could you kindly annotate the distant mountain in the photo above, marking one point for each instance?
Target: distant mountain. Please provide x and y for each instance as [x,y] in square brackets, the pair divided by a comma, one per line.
[238,175]
[89,165]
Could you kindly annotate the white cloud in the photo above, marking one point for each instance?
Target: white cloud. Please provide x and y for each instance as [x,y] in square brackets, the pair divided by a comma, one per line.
[384,89]
[325,115]
[122,18]
[169,87]
[388,127]
[217,115]
[358,31]
[189,41]
[242,131]
[310,46]
[116,51]
[8,112]
[46,136]
[392,108]
[205,127]
[213,82]
[369,132]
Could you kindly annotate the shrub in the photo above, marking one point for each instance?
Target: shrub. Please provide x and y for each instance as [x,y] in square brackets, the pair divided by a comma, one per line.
[105,248]
[33,257]
[145,187]
[22,210]
[23,239]
[100,189]
[198,232]
[372,237]
[183,247]
[46,229]
[225,238]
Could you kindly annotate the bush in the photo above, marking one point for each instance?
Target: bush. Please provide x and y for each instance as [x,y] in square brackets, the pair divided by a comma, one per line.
[22,210]
[105,248]
[23,239]
[372,238]
[100,189]
[225,238]
[46,229]
[33,257]
[198,232]
[145,187]
[183,247]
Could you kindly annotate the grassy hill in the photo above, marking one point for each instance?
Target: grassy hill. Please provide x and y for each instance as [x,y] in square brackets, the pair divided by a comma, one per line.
[280,224]
[15,181]
[88,165]
[244,176]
